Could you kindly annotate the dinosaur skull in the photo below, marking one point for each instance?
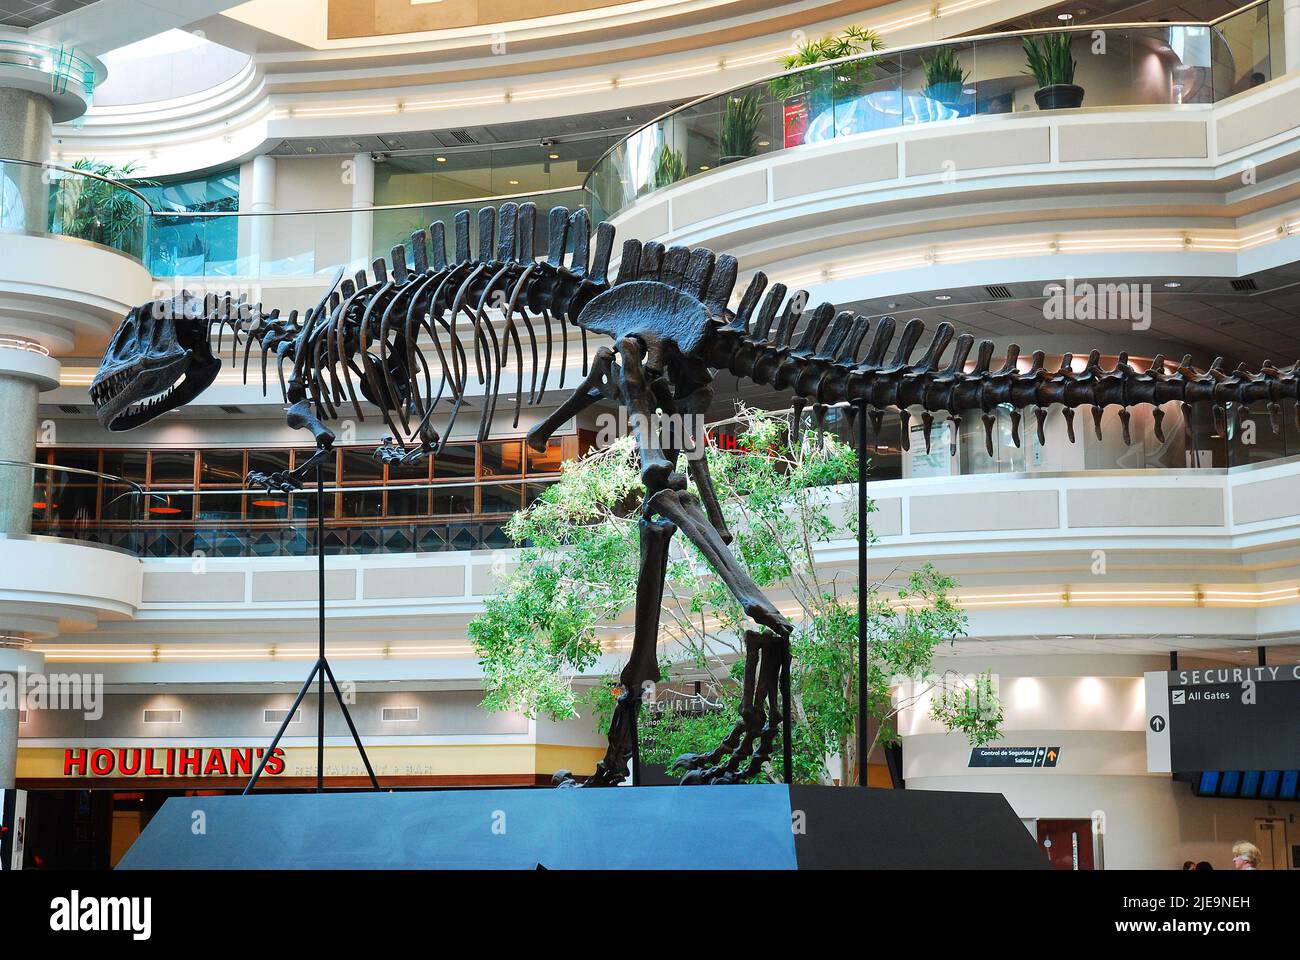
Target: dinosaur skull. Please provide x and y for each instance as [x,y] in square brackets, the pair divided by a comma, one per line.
[158,360]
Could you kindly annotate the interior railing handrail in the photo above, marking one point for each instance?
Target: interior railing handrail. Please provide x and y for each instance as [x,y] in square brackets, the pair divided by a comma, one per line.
[887,52]
[88,174]
[77,470]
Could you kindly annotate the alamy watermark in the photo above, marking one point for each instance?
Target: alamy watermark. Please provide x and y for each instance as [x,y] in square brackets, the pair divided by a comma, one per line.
[1098,301]
[77,692]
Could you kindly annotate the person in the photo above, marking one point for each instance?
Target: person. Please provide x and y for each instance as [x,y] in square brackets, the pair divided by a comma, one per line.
[1204,865]
[1188,865]
[1246,856]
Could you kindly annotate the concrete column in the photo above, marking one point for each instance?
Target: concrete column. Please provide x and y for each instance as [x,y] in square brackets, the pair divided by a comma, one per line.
[363,198]
[25,125]
[262,239]
[15,664]
[1291,34]
[23,375]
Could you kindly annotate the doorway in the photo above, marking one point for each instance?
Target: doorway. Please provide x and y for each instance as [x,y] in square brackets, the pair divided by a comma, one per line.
[1067,843]
[1270,837]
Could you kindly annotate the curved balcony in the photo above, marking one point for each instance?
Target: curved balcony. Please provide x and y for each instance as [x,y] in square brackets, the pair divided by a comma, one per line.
[1122,65]
[64,76]
[67,581]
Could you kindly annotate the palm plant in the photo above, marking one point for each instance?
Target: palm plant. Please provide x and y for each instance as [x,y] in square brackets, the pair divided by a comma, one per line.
[739,134]
[669,167]
[100,210]
[1049,59]
[849,43]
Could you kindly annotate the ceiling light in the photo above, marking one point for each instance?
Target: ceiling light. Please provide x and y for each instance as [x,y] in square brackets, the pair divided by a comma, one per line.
[1173,284]
[704,166]
[513,183]
[1065,636]
[765,143]
[1065,16]
[943,296]
[441,159]
[554,156]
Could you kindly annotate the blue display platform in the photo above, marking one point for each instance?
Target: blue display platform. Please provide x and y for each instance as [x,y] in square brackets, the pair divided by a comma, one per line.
[761,826]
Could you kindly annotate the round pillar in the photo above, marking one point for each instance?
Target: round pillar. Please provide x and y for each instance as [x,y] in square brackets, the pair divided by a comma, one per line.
[26,120]
[363,199]
[25,371]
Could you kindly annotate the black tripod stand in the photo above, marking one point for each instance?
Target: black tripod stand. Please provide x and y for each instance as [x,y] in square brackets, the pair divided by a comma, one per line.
[320,671]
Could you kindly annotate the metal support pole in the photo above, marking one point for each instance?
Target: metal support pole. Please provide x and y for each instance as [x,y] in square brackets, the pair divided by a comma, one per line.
[634,712]
[787,728]
[284,725]
[352,727]
[862,594]
[320,616]
[1263,657]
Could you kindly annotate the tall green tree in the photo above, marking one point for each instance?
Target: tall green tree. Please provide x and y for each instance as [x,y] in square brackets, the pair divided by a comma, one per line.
[567,602]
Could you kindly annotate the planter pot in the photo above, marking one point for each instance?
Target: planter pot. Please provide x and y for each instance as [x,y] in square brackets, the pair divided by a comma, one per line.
[1059,96]
[949,94]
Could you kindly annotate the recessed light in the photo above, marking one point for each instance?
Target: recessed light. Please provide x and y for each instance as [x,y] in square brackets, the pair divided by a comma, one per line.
[1065,16]
[1065,636]
[704,166]
[554,156]
[1173,284]
[441,159]
[513,183]
[765,143]
[943,296]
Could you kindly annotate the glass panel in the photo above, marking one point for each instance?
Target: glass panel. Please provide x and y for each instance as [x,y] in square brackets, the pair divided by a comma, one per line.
[360,466]
[363,503]
[503,459]
[548,461]
[456,461]
[220,506]
[500,498]
[221,467]
[268,506]
[127,464]
[453,502]
[167,508]
[80,459]
[409,473]
[172,467]
[328,465]
[268,461]
[408,502]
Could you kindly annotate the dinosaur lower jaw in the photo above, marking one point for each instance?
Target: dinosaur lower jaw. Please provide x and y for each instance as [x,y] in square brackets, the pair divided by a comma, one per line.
[133,401]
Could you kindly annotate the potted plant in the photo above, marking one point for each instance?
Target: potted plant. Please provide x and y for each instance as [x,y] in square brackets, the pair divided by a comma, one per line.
[808,93]
[96,210]
[738,137]
[1053,67]
[670,166]
[944,77]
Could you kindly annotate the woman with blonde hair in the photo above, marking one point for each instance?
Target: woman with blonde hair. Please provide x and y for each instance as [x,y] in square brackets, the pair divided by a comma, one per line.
[1246,856]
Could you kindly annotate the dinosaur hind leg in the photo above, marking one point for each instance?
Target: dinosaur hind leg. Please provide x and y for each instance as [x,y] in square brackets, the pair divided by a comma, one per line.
[643,664]
[767,652]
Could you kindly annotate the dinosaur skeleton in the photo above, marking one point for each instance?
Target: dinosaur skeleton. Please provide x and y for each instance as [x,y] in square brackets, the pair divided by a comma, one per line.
[670,329]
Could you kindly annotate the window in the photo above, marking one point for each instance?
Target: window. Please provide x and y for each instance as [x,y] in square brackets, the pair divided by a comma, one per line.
[455,462]
[504,459]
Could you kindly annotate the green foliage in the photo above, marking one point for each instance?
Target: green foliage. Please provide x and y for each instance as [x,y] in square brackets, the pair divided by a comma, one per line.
[846,80]
[1049,60]
[944,70]
[540,640]
[973,708]
[739,134]
[102,212]
[670,166]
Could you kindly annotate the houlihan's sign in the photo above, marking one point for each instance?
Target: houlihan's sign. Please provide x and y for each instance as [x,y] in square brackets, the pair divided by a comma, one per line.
[169,761]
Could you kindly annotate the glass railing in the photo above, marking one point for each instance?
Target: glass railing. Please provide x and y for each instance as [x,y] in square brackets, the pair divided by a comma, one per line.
[306,244]
[1185,441]
[61,63]
[435,517]
[41,199]
[71,503]
[1117,65]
